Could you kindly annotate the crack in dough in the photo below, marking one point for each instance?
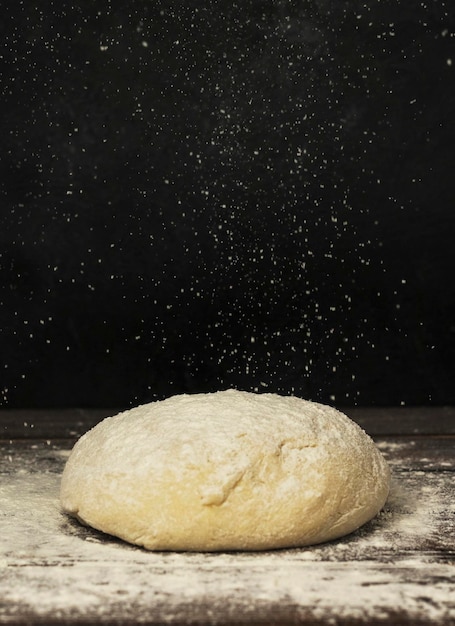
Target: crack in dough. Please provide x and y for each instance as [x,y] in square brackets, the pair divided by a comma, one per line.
[217,494]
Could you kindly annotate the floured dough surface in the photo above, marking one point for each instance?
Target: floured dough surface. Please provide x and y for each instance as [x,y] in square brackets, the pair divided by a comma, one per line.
[230,470]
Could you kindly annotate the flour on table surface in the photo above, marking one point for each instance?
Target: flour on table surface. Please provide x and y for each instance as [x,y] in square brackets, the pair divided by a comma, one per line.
[52,565]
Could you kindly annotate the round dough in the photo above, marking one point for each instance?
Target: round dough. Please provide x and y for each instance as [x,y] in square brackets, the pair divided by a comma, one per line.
[230,470]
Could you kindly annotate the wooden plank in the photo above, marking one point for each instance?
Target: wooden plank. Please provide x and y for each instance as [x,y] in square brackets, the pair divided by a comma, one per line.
[49,423]
[403,420]
[72,423]
[398,569]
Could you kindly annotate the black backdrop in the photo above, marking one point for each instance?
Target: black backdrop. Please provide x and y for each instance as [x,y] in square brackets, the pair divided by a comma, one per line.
[255,194]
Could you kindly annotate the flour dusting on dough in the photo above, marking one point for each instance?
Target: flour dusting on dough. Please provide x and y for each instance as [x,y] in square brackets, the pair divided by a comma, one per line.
[226,471]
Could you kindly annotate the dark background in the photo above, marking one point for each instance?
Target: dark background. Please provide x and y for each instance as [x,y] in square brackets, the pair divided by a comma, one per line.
[255,194]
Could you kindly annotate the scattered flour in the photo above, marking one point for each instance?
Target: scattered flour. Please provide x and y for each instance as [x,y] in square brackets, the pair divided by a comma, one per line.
[50,565]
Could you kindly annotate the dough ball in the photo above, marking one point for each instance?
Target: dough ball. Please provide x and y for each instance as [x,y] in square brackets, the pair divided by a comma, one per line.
[225,471]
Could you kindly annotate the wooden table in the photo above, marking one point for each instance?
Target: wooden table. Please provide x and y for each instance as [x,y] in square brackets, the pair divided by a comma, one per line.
[398,569]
